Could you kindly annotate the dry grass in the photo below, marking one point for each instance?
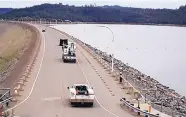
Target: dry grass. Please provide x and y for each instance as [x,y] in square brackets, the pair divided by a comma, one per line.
[12,43]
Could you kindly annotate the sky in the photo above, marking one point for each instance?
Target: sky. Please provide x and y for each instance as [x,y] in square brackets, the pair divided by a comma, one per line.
[171,4]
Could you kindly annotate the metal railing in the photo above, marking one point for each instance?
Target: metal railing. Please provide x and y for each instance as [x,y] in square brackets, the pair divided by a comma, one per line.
[137,110]
[5,96]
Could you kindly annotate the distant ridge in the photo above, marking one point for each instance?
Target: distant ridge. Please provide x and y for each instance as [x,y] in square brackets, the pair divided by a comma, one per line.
[5,10]
[91,13]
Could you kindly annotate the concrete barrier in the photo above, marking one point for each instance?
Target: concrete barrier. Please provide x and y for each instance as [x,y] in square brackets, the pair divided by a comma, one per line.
[116,78]
[103,63]
[125,85]
[16,93]
[23,79]
[108,68]
[136,94]
[130,90]
[21,82]
[24,75]
[14,99]
[114,74]
[19,88]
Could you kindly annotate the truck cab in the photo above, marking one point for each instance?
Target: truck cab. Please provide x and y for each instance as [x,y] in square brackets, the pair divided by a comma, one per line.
[68,50]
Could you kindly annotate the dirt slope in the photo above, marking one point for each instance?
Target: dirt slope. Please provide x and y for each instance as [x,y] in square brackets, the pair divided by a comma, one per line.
[17,42]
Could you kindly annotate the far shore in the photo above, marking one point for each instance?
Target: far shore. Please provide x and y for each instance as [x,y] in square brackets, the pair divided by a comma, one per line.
[122,23]
[112,23]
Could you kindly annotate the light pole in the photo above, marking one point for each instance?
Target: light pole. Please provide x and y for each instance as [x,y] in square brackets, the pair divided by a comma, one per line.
[112,48]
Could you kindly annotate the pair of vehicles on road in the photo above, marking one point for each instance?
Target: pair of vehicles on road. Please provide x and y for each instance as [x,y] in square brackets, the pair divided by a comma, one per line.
[79,93]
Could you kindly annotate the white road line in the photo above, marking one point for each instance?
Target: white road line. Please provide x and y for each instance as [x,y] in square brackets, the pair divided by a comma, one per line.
[43,38]
[95,96]
[52,99]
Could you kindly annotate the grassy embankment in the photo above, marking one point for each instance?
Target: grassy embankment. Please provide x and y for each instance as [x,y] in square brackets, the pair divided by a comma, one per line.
[14,39]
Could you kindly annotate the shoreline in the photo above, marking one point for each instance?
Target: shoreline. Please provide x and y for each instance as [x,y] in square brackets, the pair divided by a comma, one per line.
[144,82]
[109,23]
[150,24]
[118,23]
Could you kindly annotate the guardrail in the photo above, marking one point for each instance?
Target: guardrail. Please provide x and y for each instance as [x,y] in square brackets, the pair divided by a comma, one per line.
[5,96]
[137,111]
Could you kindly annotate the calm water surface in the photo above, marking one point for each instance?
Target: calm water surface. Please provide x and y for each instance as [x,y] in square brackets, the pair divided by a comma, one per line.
[158,51]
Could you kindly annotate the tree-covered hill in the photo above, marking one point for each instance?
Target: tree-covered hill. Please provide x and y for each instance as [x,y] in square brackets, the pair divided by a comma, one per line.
[4,10]
[102,14]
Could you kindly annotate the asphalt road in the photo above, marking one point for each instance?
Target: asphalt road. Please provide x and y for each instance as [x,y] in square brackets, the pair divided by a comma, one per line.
[50,95]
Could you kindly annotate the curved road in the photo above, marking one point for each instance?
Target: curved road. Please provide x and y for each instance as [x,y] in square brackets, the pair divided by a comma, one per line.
[49,97]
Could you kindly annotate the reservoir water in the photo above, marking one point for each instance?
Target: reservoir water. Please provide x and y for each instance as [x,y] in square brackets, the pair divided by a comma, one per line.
[158,51]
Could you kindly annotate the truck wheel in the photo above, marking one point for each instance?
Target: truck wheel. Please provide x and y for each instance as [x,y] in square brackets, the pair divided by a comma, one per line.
[74,61]
[91,104]
[64,60]
[72,103]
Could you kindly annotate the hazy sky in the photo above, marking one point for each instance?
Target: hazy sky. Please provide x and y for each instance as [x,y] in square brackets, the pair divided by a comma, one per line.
[127,3]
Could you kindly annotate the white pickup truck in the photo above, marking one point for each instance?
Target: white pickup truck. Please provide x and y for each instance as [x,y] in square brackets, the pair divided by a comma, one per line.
[81,94]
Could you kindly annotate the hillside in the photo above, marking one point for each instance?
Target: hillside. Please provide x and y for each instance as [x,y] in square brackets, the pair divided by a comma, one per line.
[4,10]
[102,14]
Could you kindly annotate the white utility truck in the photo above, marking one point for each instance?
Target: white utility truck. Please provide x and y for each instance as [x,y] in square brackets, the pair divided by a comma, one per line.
[81,94]
[68,49]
